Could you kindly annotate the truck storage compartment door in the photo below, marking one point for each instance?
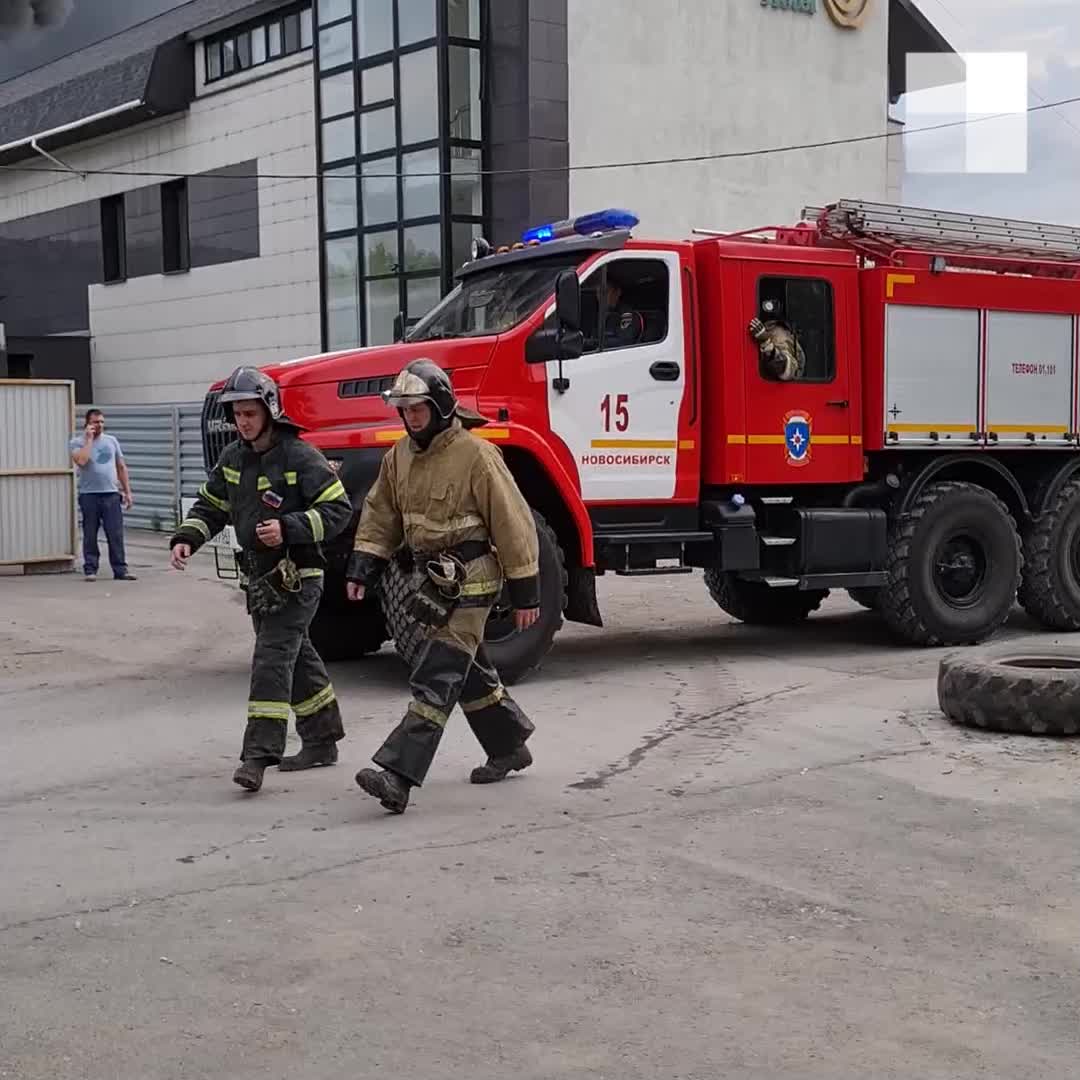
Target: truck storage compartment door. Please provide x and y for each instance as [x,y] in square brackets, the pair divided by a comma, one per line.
[1029,377]
[931,375]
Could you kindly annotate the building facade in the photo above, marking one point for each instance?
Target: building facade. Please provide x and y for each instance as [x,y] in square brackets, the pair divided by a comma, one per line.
[249,181]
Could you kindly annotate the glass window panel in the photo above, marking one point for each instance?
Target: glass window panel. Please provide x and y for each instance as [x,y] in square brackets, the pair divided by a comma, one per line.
[273,32]
[416,21]
[464,93]
[258,45]
[419,97]
[383,303]
[335,46]
[339,139]
[421,192]
[332,10]
[377,131]
[462,235]
[421,295]
[379,192]
[336,93]
[381,253]
[423,244]
[213,61]
[378,84]
[374,26]
[306,31]
[339,199]
[243,51]
[291,29]
[228,57]
[466,191]
[342,293]
[464,18]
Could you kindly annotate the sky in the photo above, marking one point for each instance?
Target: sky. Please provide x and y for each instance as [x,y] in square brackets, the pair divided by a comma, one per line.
[1047,32]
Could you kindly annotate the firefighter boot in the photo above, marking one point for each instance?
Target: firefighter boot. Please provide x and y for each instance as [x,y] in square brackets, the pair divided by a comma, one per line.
[497,768]
[250,774]
[311,755]
[391,790]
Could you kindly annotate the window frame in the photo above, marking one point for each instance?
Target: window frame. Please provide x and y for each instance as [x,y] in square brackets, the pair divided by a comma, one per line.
[114,227]
[829,326]
[182,240]
[262,24]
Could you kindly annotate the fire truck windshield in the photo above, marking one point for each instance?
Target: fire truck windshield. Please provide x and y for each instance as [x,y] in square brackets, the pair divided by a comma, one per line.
[493,301]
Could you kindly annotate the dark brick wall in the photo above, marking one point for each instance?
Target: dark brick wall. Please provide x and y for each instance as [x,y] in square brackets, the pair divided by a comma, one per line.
[528,119]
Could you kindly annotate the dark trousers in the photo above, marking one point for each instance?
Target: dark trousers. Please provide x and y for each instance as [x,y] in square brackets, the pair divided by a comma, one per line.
[454,669]
[288,674]
[107,510]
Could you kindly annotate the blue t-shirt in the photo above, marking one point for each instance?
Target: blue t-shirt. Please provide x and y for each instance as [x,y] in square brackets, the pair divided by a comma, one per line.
[98,475]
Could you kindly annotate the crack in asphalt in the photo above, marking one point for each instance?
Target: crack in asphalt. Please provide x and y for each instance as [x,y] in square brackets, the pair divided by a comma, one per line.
[630,761]
[360,860]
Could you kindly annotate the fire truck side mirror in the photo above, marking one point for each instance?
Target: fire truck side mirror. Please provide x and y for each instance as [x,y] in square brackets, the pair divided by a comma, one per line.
[568,300]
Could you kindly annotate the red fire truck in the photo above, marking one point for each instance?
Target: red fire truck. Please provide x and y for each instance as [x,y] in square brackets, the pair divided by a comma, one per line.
[924,457]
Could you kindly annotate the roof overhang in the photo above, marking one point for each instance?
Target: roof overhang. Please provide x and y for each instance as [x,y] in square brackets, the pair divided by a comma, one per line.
[912,33]
[152,84]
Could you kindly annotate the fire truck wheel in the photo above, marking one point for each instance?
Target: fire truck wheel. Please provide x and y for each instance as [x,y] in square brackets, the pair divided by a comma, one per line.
[514,654]
[346,634]
[1050,587]
[1009,688]
[954,567]
[868,597]
[757,604]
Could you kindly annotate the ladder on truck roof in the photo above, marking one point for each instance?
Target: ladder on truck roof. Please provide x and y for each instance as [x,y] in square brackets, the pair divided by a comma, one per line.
[970,240]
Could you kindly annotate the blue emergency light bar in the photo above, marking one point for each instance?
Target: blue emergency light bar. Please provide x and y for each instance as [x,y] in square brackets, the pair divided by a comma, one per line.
[584,225]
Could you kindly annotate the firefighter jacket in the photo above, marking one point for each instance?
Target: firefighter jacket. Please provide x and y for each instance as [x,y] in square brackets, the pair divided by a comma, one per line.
[291,481]
[456,491]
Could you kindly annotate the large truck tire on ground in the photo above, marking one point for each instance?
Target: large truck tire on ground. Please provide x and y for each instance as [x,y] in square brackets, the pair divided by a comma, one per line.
[878,400]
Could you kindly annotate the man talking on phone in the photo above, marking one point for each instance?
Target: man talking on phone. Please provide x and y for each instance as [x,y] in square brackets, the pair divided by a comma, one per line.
[104,495]
[283,500]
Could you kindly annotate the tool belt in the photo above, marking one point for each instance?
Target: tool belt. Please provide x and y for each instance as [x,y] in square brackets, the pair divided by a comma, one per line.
[444,572]
[268,593]
[408,559]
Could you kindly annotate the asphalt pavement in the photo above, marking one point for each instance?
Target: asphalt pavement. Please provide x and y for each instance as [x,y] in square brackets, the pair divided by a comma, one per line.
[740,853]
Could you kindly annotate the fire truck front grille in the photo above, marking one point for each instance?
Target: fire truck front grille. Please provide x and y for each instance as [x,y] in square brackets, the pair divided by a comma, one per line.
[217,432]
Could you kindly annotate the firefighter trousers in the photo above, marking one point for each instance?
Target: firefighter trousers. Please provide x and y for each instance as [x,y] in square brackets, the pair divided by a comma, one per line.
[287,673]
[454,669]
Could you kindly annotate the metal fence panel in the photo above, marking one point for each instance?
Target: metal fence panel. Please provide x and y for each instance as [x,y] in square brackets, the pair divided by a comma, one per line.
[37,478]
[163,449]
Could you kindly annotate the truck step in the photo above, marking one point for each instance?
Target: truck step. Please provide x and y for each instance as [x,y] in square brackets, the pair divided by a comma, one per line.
[655,571]
[777,500]
[778,541]
[781,582]
[622,539]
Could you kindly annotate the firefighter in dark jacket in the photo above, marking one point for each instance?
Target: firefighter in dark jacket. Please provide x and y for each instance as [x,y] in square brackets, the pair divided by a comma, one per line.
[446,502]
[283,500]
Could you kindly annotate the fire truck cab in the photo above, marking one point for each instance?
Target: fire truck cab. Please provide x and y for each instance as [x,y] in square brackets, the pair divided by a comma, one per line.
[878,399]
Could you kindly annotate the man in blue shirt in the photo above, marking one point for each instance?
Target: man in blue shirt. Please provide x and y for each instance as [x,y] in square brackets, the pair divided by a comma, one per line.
[103,476]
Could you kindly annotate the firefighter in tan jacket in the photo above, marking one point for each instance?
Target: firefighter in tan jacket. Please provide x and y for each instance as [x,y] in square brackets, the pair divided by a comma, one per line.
[447,500]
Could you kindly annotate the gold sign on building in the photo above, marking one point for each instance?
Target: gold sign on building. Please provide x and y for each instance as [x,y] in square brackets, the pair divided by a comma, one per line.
[848,14]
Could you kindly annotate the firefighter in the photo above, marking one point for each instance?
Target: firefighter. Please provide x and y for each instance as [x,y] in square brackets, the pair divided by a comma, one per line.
[444,502]
[283,500]
[781,352]
[622,324]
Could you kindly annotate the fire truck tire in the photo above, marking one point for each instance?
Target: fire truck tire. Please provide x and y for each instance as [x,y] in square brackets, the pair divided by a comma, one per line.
[954,567]
[757,604]
[1013,689]
[868,597]
[515,655]
[350,634]
[1050,586]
